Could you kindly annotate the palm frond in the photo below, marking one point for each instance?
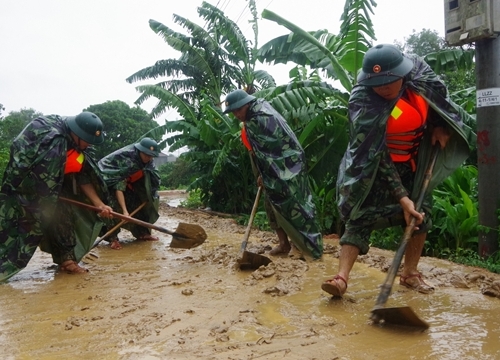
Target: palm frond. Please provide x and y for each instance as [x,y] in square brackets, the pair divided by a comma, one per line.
[167,99]
[450,60]
[340,72]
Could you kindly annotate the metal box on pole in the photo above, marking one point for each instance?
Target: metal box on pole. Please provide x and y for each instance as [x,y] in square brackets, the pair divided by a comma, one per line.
[469,20]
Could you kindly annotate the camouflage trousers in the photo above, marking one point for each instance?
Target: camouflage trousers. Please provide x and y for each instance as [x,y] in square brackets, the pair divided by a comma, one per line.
[381,211]
[20,235]
[60,233]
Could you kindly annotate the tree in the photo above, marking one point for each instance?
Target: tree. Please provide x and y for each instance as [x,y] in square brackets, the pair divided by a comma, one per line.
[177,174]
[425,42]
[14,123]
[123,125]
[10,126]
[215,58]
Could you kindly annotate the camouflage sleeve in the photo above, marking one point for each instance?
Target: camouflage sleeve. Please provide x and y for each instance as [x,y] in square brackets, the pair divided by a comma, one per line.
[388,172]
[84,177]
[121,185]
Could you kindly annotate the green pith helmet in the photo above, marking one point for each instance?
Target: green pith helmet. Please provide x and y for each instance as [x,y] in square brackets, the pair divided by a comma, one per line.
[382,65]
[148,146]
[87,126]
[236,99]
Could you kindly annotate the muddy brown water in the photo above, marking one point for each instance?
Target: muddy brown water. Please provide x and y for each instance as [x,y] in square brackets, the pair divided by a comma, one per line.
[148,301]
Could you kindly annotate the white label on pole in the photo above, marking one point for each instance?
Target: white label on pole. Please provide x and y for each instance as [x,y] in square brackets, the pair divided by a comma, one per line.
[488,97]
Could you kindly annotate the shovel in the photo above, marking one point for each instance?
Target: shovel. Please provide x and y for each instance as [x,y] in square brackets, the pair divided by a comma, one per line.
[248,260]
[186,236]
[112,230]
[402,315]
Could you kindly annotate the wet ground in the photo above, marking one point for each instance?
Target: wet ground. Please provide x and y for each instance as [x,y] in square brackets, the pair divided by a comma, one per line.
[149,301]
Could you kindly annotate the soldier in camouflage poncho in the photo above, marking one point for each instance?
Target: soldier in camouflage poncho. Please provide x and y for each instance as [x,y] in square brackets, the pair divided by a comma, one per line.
[132,177]
[48,160]
[398,110]
[281,168]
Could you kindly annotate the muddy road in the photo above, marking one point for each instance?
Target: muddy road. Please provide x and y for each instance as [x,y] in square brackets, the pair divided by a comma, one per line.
[149,301]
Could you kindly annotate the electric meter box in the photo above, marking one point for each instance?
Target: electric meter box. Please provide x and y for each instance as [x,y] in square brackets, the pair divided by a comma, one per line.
[466,21]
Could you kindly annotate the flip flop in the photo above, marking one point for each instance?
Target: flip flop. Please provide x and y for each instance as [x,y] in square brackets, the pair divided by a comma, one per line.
[419,285]
[332,286]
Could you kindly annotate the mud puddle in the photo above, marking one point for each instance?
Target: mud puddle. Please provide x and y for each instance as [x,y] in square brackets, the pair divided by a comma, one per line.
[148,301]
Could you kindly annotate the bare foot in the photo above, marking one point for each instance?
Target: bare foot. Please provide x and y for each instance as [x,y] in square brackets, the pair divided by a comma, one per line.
[148,238]
[115,244]
[280,250]
[72,267]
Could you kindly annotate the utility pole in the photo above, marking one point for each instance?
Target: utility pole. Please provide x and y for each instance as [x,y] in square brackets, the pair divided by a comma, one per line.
[488,142]
[478,21]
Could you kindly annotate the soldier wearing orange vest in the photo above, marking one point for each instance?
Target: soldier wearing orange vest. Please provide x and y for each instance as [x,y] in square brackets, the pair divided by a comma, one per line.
[398,110]
[131,176]
[48,159]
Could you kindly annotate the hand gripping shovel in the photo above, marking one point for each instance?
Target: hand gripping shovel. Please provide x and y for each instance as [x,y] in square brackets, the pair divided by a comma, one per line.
[402,315]
[248,260]
[186,236]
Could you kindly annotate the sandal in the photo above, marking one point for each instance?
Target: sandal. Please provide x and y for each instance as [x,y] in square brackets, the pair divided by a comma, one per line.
[72,267]
[333,287]
[148,237]
[416,283]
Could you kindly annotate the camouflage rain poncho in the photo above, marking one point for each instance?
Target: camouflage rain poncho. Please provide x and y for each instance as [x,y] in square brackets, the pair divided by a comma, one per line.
[369,112]
[32,182]
[116,168]
[282,165]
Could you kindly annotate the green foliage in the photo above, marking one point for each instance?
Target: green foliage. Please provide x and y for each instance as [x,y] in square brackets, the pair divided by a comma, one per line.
[176,174]
[388,238]
[455,216]
[425,42]
[193,200]
[260,221]
[470,257]
[327,213]
[10,126]
[4,160]
[14,123]
[123,125]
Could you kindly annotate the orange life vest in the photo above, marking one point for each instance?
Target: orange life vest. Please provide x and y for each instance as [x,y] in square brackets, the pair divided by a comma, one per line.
[405,128]
[134,177]
[74,161]
[244,138]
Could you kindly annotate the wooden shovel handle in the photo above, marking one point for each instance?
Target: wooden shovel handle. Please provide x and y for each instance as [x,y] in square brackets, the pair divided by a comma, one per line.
[118,215]
[386,287]
[250,220]
[113,229]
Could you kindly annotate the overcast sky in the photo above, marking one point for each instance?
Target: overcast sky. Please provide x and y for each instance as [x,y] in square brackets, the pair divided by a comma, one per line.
[61,56]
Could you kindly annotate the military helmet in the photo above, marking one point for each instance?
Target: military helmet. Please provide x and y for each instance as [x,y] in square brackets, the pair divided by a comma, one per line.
[148,146]
[236,99]
[87,126]
[382,65]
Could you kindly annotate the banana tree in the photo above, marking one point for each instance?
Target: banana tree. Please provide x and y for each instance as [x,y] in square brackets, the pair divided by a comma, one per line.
[215,59]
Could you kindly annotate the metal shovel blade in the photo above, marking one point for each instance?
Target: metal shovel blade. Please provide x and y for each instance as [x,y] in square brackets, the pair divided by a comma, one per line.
[185,243]
[403,316]
[252,261]
[188,236]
